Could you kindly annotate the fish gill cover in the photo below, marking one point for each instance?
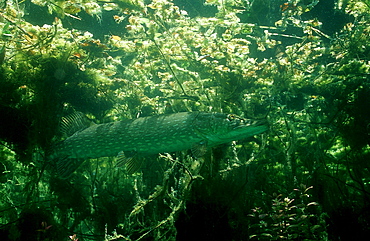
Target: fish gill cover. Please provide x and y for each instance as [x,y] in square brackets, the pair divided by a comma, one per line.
[307,178]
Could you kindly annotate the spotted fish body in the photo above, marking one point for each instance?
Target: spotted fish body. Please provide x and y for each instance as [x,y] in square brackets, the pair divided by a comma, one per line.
[152,135]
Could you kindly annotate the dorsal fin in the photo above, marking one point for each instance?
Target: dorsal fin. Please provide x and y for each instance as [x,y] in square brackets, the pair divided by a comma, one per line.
[74,123]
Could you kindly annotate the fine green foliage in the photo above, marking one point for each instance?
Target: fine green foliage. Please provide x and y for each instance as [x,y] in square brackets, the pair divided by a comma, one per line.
[123,59]
[290,219]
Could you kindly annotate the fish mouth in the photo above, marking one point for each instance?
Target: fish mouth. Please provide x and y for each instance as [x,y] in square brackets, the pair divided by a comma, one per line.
[262,122]
[251,124]
[244,129]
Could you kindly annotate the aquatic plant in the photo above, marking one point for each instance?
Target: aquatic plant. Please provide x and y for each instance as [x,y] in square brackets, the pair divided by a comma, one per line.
[256,59]
[289,218]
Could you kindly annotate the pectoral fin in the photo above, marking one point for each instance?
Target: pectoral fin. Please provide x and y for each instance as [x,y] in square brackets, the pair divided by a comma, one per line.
[199,149]
[132,162]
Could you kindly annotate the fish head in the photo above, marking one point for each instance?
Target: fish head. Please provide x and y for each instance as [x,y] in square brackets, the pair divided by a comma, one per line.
[218,128]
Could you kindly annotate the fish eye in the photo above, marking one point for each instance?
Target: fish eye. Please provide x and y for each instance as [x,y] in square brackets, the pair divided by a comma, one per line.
[231,117]
[235,121]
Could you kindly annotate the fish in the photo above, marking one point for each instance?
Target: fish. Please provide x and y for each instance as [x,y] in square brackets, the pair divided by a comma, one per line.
[145,136]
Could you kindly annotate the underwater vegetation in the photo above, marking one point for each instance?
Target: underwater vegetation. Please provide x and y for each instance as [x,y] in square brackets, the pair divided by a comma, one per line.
[306,178]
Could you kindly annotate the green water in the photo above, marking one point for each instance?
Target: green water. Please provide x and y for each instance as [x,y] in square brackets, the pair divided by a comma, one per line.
[302,65]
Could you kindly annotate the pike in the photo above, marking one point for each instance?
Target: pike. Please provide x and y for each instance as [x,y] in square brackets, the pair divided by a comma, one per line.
[149,135]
